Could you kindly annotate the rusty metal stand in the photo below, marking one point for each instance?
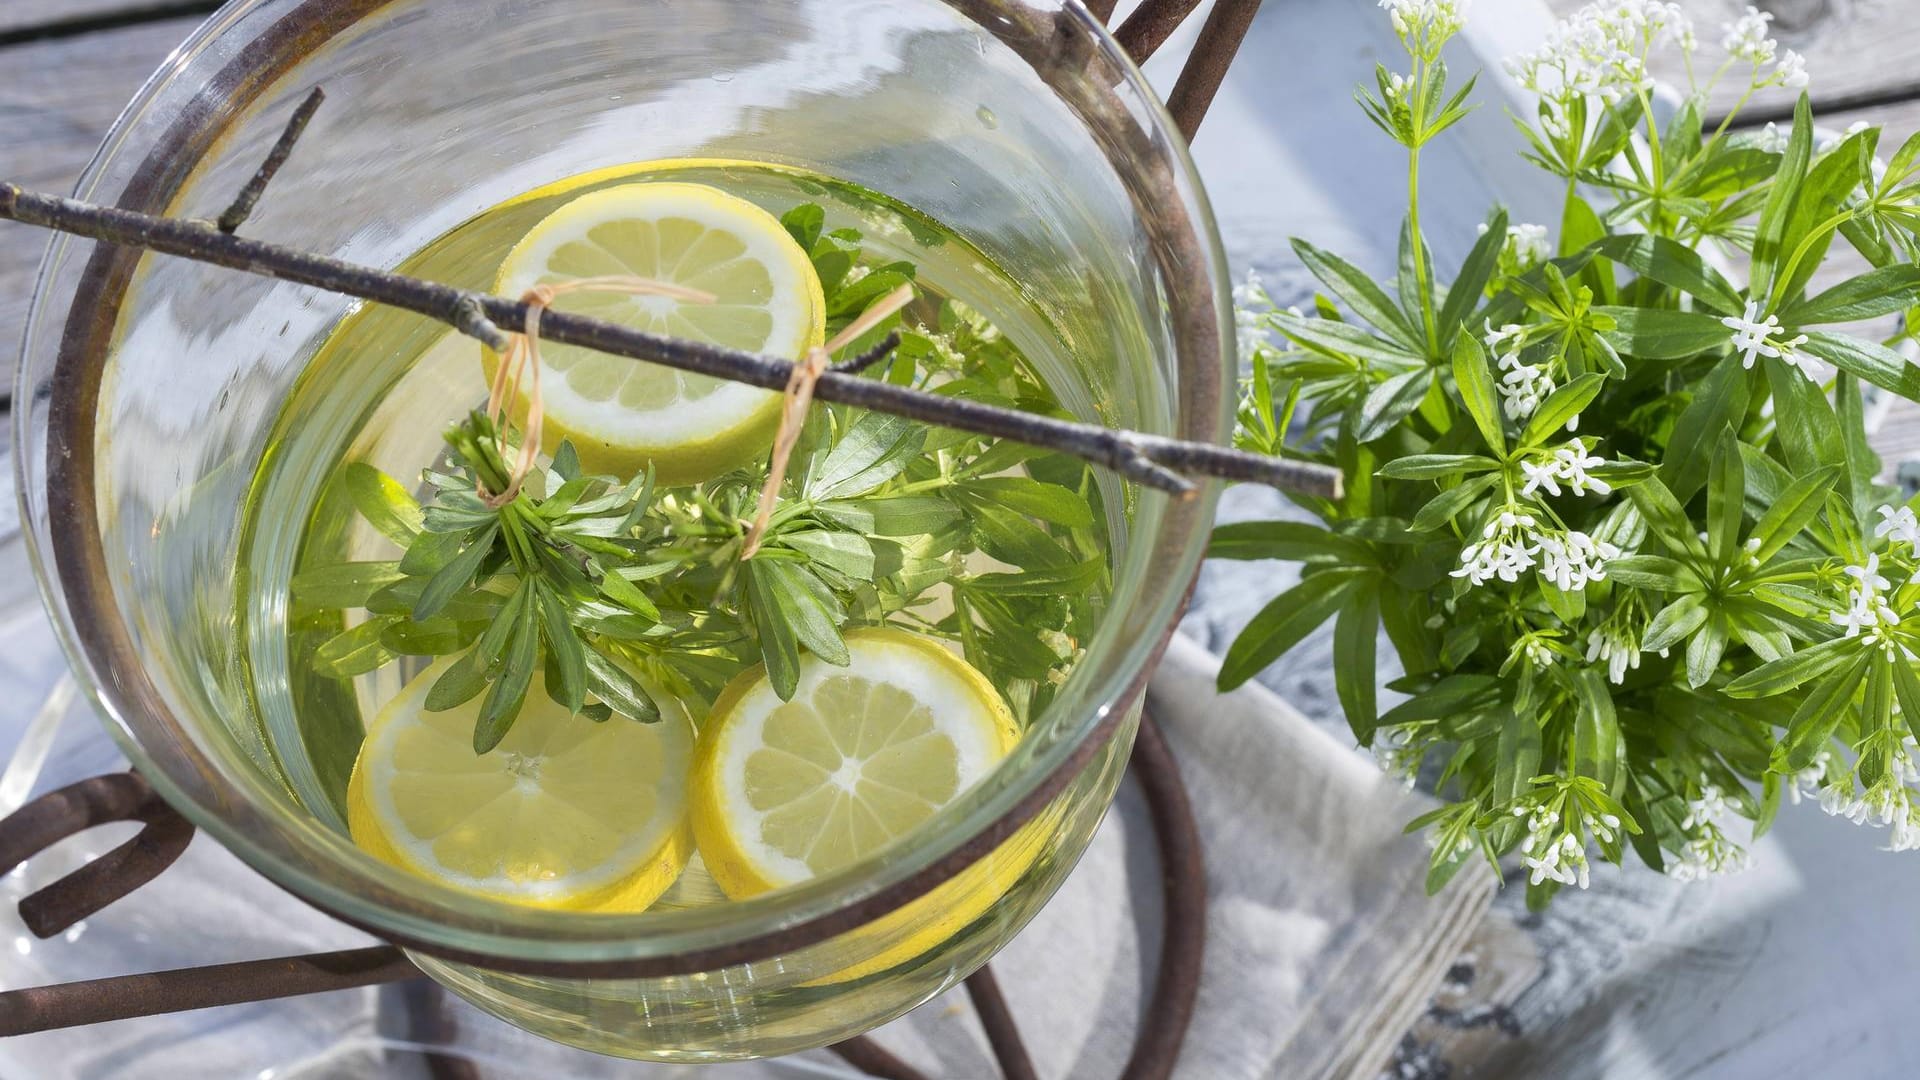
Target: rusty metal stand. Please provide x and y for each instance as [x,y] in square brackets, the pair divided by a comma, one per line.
[78,807]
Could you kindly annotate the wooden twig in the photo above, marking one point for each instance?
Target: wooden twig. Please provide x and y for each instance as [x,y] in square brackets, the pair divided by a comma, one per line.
[249,196]
[1151,24]
[1153,460]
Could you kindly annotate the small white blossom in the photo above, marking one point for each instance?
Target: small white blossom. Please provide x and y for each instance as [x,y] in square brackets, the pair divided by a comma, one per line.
[1573,559]
[1540,475]
[1428,21]
[1250,307]
[1750,334]
[1573,459]
[1790,72]
[1746,37]
[1772,139]
[1867,607]
[1496,339]
[1899,524]
[1505,550]
[1868,575]
[1396,756]
[1600,51]
[1523,386]
[1754,337]
[1526,246]
[1890,803]
[1614,646]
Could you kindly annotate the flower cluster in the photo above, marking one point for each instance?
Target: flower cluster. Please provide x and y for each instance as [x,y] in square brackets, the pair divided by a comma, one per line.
[1553,848]
[1745,39]
[1708,851]
[1572,559]
[1616,643]
[1568,464]
[1867,606]
[1513,543]
[1526,247]
[1754,337]
[1890,803]
[1505,550]
[1423,24]
[1251,304]
[1601,51]
[1522,386]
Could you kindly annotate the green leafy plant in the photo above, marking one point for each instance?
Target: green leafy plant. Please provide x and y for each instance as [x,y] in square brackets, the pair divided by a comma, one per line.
[1611,498]
[999,547]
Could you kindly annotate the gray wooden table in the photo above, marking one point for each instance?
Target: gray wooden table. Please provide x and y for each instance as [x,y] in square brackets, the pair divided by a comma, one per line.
[1798,968]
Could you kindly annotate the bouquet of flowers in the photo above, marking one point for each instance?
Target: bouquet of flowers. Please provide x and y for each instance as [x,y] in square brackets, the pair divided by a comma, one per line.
[1609,489]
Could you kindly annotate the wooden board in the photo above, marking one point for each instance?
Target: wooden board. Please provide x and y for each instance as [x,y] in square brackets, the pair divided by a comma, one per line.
[57,98]
[21,18]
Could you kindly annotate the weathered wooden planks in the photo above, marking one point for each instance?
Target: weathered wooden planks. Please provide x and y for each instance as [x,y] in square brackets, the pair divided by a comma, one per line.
[19,18]
[57,98]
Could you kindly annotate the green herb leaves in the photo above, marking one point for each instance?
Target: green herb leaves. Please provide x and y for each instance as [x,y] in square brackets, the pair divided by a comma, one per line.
[1618,515]
[608,585]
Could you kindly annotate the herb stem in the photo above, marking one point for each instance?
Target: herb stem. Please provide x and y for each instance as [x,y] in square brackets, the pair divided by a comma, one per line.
[1422,274]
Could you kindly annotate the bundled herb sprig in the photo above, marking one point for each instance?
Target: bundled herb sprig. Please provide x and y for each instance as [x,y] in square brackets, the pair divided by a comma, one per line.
[603,583]
[1610,494]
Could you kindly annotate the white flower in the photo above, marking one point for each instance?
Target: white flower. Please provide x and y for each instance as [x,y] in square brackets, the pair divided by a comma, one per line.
[1616,646]
[1600,51]
[1866,606]
[1790,72]
[1505,550]
[1899,524]
[1709,808]
[1869,575]
[1750,335]
[1428,20]
[1250,307]
[1523,387]
[1573,559]
[1561,858]
[1746,37]
[1495,339]
[1772,139]
[1539,476]
[1572,460]
[1396,756]
[1808,781]
[1528,245]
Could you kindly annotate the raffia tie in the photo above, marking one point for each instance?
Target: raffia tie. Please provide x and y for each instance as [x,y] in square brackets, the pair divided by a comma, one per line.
[523,356]
[799,396]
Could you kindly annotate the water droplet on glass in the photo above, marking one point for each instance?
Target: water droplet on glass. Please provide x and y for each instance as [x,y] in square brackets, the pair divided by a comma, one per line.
[987,119]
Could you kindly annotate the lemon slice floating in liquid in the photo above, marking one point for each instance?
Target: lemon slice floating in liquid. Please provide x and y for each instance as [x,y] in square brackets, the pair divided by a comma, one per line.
[564,813]
[787,791]
[621,414]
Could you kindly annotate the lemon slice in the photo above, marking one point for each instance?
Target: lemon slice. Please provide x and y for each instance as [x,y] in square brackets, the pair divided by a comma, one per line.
[564,813]
[621,414]
[787,791]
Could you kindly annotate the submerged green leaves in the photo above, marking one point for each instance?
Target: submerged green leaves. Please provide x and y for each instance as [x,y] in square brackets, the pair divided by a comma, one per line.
[609,586]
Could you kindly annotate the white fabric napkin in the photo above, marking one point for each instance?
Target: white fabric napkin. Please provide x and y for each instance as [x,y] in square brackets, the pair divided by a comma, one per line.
[1322,947]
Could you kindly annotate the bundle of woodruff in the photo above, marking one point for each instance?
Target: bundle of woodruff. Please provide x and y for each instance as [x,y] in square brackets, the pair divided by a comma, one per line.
[1610,492]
